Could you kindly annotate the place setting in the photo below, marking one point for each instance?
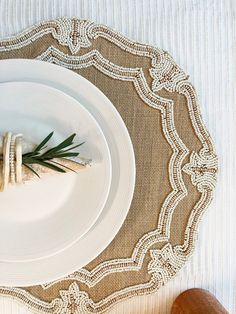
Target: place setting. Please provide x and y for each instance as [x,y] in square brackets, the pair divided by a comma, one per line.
[106,167]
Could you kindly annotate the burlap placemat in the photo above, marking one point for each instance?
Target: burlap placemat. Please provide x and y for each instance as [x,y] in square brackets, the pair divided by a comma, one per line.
[175,159]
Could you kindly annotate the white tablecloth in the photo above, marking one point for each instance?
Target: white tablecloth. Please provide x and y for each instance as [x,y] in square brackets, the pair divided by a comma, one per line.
[200,35]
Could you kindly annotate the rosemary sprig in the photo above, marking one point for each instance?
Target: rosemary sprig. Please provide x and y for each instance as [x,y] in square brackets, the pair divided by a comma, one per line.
[62,150]
[44,142]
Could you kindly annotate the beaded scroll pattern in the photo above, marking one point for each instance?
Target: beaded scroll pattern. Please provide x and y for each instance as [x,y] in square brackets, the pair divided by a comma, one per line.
[202,165]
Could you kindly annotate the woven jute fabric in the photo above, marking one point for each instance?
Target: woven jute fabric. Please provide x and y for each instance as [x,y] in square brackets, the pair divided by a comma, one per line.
[176,163]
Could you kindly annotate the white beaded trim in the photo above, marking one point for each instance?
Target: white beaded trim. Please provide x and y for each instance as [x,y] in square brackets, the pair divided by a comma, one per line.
[12,166]
[19,158]
[12,159]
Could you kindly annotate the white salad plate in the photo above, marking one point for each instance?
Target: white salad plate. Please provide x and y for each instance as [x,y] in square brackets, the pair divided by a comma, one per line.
[46,215]
[107,225]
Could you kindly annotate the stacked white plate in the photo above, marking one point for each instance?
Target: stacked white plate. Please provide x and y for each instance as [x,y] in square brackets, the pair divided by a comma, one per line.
[56,225]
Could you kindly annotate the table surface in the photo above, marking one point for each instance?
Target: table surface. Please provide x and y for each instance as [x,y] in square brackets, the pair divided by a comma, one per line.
[200,35]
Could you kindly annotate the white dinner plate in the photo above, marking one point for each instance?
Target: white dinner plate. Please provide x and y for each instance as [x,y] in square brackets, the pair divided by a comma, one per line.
[44,216]
[123,174]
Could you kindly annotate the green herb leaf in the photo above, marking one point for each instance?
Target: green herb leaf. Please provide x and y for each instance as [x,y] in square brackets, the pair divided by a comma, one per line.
[60,155]
[73,147]
[67,142]
[41,145]
[30,154]
[31,169]
[64,166]
[49,165]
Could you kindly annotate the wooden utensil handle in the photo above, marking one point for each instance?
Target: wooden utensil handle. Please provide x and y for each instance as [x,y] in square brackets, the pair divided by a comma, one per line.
[197,301]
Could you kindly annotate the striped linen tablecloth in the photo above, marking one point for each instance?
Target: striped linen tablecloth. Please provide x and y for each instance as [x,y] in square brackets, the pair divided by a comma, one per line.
[200,35]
